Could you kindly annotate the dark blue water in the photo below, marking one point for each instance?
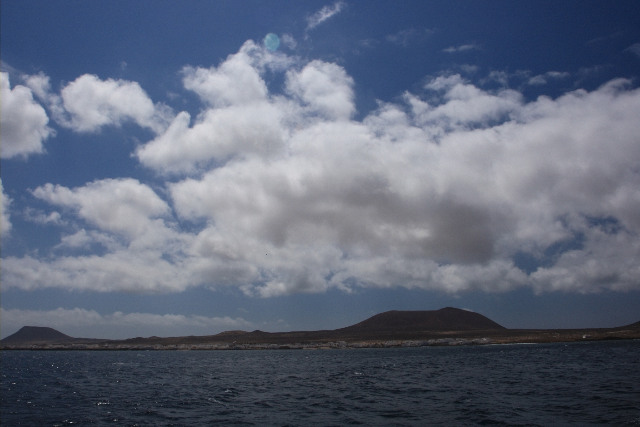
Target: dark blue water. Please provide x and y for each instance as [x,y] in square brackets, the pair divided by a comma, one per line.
[585,383]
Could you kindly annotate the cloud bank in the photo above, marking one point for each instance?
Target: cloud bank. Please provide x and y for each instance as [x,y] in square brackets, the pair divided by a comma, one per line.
[75,322]
[453,188]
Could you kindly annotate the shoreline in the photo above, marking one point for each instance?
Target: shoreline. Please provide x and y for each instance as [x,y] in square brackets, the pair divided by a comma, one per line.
[279,341]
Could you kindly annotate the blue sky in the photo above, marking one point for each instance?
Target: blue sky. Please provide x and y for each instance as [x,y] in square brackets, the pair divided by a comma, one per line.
[165,172]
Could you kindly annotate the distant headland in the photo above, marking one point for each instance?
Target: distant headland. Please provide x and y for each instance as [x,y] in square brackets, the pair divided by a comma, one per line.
[447,326]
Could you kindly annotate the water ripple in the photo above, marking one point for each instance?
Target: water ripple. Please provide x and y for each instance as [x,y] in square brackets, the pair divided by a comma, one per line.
[582,384]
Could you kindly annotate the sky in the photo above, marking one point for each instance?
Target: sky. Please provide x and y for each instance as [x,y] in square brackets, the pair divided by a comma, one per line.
[189,167]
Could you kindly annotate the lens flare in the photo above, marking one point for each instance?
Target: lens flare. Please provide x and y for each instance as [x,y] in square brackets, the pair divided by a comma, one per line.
[272,42]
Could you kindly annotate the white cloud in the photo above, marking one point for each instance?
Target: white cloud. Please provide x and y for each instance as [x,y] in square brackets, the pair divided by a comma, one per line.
[462,48]
[236,81]
[324,88]
[468,68]
[40,217]
[23,121]
[5,202]
[77,240]
[606,262]
[123,217]
[288,193]
[93,103]
[381,204]
[39,84]
[117,205]
[542,79]
[463,105]
[84,239]
[323,14]
[240,118]
[218,134]
[243,120]
[121,270]
[82,323]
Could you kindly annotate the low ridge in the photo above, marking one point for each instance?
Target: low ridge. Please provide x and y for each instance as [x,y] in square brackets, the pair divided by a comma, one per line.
[29,334]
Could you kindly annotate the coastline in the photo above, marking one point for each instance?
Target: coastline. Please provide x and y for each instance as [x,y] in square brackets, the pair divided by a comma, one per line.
[329,340]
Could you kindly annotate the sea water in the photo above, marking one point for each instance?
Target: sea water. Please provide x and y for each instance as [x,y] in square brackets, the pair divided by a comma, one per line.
[541,384]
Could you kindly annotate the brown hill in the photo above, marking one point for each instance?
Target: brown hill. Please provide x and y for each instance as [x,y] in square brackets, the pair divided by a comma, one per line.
[631,326]
[36,334]
[445,319]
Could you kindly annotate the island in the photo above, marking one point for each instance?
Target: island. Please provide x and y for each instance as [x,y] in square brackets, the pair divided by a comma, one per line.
[447,326]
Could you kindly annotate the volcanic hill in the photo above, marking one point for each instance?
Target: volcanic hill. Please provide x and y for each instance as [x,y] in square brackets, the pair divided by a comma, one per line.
[445,319]
[36,334]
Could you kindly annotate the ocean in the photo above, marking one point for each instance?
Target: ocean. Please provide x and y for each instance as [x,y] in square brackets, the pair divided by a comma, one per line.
[539,384]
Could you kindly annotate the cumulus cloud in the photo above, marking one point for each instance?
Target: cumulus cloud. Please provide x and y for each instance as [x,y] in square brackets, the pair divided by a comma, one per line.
[93,103]
[607,261]
[323,87]
[446,189]
[218,134]
[235,81]
[85,240]
[24,122]
[323,14]
[40,85]
[384,202]
[118,205]
[88,103]
[462,105]
[139,249]
[78,322]
[241,119]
